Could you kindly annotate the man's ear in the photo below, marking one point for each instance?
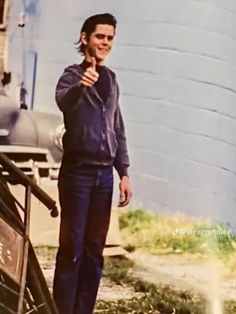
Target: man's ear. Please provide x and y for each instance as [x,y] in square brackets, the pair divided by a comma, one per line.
[83,38]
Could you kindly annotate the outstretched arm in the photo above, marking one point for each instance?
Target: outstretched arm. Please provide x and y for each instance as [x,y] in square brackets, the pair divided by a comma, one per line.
[69,87]
[68,90]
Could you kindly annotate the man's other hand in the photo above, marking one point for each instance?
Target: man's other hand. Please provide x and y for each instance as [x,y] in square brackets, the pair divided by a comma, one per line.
[125,191]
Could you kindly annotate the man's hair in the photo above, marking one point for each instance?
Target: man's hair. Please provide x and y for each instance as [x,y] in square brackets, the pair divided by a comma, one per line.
[89,27]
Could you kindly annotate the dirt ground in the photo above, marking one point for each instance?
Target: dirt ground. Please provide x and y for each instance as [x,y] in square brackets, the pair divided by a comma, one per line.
[107,291]
[187,272]
[180,272]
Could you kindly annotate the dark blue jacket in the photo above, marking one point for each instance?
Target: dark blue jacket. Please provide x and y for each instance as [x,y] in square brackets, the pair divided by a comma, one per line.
[95,132]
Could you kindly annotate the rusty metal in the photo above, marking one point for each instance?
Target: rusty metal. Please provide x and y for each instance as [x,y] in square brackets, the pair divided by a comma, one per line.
[11,251]
[23,289]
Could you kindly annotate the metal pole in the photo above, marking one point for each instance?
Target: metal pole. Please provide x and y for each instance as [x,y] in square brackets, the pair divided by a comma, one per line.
[26,249]
[23,90]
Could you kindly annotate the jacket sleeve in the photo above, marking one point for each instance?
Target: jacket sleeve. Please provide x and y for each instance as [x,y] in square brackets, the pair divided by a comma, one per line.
[121,162]
[67,90]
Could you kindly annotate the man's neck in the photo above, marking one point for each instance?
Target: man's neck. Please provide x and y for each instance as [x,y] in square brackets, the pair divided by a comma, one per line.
[88,59]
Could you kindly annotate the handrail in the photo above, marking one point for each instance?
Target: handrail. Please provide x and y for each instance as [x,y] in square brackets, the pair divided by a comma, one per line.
[21,178]
[29,272]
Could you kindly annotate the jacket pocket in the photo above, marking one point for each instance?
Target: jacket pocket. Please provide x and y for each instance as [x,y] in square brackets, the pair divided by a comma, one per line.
[89,139]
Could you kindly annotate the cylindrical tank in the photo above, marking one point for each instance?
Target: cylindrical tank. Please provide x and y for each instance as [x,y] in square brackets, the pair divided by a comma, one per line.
[175,61]
[31,129]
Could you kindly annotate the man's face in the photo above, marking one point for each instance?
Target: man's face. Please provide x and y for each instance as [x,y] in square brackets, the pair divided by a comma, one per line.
[99,43]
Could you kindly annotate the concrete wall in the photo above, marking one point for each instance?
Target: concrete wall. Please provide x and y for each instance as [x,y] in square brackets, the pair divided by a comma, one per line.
[175,60]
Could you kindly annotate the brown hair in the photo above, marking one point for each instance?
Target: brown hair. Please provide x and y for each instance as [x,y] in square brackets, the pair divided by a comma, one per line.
[89,27]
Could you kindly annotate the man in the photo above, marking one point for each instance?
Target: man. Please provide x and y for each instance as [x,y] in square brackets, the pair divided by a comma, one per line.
[94,142]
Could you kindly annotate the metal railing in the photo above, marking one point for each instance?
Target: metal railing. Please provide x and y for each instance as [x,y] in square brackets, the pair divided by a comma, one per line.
[30,274]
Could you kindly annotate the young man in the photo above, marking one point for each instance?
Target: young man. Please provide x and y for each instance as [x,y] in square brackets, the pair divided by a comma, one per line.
[94,142]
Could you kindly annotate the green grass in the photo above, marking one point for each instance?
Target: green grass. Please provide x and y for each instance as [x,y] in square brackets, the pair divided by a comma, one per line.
[154,299]
[117,269]
[175,234]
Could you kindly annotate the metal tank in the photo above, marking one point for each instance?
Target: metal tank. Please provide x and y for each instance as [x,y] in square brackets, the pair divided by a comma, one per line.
[31,139]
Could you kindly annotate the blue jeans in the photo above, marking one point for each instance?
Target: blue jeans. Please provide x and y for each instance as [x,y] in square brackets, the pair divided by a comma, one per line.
[85,194]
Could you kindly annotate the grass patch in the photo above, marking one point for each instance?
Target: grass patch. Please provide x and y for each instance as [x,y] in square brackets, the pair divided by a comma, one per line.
[46,253]
[175,234]
[154,300]
[117,269]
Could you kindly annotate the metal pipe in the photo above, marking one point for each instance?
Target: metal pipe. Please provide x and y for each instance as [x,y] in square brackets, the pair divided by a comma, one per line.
[26,248]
